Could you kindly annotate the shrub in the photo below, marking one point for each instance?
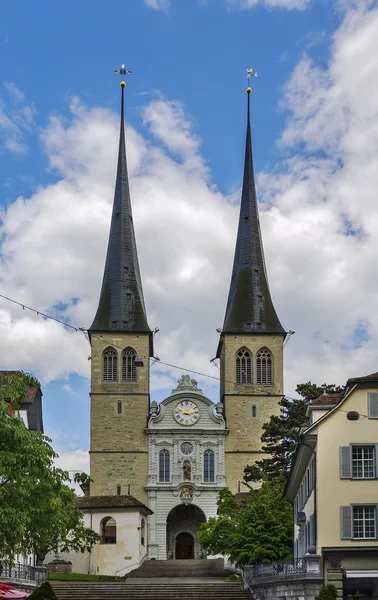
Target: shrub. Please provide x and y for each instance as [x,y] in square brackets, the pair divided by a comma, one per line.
[327,592]
[43,592]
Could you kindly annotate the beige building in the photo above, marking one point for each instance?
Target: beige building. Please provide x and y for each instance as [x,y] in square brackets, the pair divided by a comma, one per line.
[333,484]
[173,459]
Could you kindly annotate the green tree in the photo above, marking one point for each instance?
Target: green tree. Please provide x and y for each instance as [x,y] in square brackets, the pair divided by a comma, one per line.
[281,433]
[259,532]
[37,506]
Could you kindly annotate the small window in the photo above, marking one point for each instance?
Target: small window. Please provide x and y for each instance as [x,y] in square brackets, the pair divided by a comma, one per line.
[364,522]
[164,466]
[118,490]
[108,531]
[119,407]
[208,466]
[142,530]
[254,411]
[243,366]
[264,372]
[110,365]
[129,372]
[363,463]
[187,470]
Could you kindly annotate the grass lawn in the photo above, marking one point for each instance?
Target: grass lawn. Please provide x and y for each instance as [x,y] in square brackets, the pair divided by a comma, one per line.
[82,577]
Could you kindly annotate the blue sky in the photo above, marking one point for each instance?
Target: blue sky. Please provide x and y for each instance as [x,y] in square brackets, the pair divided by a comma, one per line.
[59,103]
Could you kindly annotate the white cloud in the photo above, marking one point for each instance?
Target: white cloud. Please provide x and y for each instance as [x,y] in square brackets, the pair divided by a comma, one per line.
[319,219]
[16,119]
[242,4]
[74,461]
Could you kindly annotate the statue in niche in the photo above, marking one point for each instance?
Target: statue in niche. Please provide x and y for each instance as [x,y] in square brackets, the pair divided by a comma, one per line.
[187,470]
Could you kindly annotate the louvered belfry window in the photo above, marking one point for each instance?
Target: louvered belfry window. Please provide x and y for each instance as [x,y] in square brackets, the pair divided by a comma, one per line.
[129,372]
[264,371]
[243,366]
[110,366]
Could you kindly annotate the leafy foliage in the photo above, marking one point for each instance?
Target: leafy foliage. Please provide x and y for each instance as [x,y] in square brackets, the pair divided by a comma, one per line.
[14,386]
[44,592]
[327,592]
[37,507]
[259,532]
[281,433]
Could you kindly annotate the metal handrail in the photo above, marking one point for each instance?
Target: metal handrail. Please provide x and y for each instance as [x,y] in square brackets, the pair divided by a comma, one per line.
[19,571]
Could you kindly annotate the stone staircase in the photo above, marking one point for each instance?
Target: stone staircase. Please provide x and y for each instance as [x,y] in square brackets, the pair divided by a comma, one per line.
[151,589]
[180,568]
[160,580]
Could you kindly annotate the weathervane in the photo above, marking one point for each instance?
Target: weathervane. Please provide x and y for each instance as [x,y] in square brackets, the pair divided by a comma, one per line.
[250,74]
[122,71]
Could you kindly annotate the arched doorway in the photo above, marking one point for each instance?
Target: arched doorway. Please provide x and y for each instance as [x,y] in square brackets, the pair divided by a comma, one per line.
[183,523]
[184,545]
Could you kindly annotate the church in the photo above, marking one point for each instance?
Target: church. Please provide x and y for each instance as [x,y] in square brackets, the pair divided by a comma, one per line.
[156,469]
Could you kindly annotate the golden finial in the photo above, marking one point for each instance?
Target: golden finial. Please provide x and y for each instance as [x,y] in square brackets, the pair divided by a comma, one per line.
[122,71]
[250,74]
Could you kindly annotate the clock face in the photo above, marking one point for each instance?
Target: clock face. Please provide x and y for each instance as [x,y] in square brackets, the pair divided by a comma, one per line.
[186,412]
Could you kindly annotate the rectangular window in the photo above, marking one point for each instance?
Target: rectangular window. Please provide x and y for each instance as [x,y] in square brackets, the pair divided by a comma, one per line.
[164,475]
[364,522]
[208,466]
[363,462]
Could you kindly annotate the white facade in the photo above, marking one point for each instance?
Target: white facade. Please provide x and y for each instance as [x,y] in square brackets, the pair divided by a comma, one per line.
[191,474]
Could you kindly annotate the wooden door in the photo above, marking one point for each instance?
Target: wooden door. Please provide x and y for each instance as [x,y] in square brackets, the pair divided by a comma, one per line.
[184,546]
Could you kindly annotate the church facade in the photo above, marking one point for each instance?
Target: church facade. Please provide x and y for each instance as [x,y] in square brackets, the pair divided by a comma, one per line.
[169,461]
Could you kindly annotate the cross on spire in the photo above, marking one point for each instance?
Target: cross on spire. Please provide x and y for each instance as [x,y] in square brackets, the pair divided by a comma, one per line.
[122,71]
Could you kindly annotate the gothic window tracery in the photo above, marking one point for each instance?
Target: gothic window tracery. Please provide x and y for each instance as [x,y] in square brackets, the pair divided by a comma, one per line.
[243,366]
[129,372]
[264,367]
[110,365]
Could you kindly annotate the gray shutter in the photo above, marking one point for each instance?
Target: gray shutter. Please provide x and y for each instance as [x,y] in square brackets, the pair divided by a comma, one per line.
[312,530]
[345,462]
[376,463]
[346,522]
[373,405]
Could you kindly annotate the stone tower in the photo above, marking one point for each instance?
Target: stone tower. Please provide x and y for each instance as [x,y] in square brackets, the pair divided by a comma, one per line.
[251,342]
[121,345]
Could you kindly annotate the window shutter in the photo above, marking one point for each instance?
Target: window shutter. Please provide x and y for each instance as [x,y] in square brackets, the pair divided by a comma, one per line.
[345,462]
[312,530]
[346,522]
[376,463]
[373,405]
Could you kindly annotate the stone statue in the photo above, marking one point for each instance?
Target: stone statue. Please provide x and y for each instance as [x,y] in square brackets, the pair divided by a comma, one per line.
[185,383]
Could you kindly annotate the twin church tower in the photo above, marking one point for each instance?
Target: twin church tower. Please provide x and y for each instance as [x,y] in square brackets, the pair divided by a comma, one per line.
[250,350]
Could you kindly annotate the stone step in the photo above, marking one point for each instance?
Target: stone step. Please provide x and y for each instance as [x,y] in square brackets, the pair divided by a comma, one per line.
[177,568]
[164,590]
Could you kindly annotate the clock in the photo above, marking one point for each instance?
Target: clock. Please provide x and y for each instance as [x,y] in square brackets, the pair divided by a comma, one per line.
[186,412]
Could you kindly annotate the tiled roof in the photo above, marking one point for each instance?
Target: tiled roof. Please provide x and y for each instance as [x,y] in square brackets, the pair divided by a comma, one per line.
[371,377]
[326,400]
[31,392]
[110,502]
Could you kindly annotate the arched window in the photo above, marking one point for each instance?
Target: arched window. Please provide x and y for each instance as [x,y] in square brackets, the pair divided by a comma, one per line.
[108,531]
[129,372]
[254,411]
[164,475]
[243,366]
[208,466]
[110,365]
[187,470]
[142,532]
[264,366]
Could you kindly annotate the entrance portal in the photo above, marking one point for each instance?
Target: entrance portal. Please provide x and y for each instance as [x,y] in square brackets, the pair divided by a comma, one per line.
[183,523]
[184,546]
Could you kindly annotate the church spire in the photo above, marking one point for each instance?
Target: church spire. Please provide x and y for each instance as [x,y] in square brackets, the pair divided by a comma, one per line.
[249,307]
[121,306]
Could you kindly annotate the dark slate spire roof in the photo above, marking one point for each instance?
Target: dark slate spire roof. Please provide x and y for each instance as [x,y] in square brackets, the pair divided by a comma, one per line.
[250,307]
[121,306]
